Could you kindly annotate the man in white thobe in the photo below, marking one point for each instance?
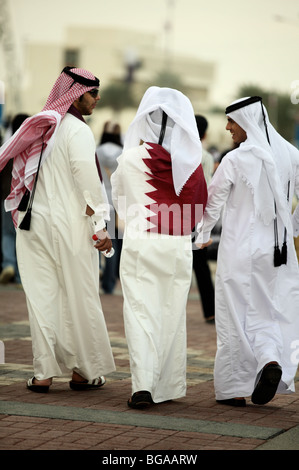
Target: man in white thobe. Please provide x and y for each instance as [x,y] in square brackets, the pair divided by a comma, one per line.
[257,279]
[159,191]
[58,262]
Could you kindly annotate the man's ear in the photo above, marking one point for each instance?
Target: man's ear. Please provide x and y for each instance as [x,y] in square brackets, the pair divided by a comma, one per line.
[76,102]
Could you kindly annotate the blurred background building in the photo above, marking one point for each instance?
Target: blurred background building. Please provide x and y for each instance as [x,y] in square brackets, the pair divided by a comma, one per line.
[128,61]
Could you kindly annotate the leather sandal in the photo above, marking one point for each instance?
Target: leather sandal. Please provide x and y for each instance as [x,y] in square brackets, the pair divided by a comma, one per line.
[88,384]
[37,388]
[142,399]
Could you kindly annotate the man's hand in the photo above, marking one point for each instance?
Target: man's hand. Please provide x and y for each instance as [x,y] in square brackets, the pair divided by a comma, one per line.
[89,211]
[103,242]
[102,237]
[204,245]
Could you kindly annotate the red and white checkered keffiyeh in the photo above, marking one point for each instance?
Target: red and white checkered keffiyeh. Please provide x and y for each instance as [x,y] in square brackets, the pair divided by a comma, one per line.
[26,144]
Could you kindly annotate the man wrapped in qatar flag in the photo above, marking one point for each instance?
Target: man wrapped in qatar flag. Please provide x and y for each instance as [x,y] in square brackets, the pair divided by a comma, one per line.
[160,192]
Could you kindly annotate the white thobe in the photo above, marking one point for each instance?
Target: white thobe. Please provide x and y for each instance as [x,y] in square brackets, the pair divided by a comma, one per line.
[257,304]
[155,273]
[58,263]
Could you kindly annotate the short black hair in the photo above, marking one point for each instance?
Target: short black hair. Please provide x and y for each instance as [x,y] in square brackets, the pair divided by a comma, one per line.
[202,125]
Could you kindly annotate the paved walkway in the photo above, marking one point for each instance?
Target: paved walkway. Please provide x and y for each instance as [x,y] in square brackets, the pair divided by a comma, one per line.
[100,420]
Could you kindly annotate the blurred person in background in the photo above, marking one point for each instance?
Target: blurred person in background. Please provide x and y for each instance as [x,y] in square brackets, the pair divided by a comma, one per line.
[200,257]
[10,270]
[108,150]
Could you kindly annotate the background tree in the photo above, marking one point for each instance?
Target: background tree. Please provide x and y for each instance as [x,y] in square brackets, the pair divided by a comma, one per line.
[118,96]
[168,79]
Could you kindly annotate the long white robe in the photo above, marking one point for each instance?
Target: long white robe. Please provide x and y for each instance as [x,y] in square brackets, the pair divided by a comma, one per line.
[257,305]
[58,263]
[155,274]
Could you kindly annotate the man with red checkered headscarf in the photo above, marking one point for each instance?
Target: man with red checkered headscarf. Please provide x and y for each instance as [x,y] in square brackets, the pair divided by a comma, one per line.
[58,202]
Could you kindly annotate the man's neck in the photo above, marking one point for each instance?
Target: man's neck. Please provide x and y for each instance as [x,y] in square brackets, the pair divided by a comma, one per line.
[75,112]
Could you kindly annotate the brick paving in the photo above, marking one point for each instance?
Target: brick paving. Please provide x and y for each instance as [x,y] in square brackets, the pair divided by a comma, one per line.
[101,420]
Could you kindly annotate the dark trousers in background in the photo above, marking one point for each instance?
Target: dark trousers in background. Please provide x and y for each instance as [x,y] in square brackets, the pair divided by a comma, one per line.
[204,281]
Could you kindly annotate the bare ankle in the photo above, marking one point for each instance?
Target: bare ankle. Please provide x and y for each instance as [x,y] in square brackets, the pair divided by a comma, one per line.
[43,382]
[77,377]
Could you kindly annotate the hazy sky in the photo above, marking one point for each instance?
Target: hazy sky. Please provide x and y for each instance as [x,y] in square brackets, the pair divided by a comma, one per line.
[242,37]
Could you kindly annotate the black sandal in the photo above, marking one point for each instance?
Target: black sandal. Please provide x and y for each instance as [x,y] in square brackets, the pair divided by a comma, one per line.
[267,384]
[141,399]
[233,402]
[88,384]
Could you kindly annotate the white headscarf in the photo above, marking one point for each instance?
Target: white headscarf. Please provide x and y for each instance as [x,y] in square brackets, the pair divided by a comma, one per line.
[269,172]
[181,136]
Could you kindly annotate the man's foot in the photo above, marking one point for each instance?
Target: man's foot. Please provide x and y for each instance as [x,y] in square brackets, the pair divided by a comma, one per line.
[142,399]
[39,386]
[267,384]
[233,401]
[210,320]
[78,378]
[79,383]
[7,275]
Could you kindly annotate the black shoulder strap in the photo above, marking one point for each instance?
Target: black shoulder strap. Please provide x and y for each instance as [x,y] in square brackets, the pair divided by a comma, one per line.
[25,224]
[163,128]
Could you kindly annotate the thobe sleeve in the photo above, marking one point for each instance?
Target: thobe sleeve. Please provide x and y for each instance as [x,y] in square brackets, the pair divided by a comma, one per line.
[118,188]
[295,217]
[218,193]
[207,166]
[86,177]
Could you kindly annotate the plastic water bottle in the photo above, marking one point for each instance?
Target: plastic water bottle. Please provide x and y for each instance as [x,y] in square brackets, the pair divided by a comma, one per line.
[105,253]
